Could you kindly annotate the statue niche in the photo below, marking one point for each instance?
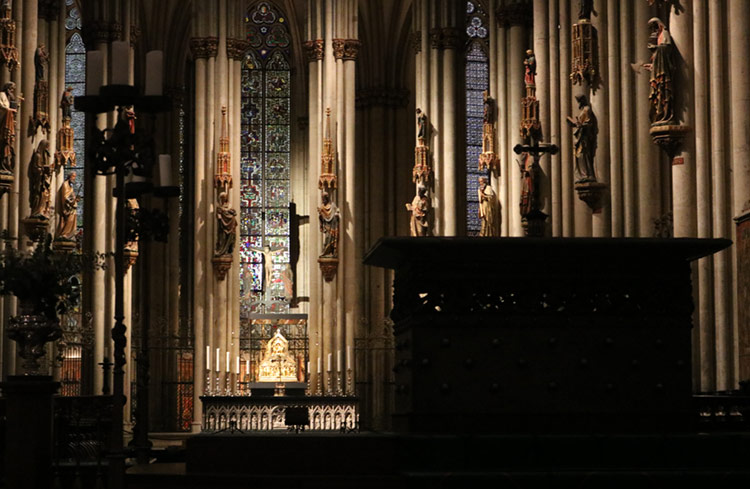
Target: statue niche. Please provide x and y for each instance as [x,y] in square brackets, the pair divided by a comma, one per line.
[277,365]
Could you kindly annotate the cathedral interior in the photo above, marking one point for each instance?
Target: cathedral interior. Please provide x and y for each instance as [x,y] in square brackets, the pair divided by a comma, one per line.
[506,240]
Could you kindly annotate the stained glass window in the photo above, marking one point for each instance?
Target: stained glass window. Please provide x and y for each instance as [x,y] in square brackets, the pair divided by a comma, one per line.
[264,226]
[75,77]
[477,81]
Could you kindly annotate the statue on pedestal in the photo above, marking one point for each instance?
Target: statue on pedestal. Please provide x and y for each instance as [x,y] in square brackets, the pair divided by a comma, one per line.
[420,210]
[226,226]
[585,130]
[328,215]
[529,184]
[530,69]
[66,209]
[421,127]
[40,117]
[40,180]
[66,103]
[8,109]
[662,70]
[488,211]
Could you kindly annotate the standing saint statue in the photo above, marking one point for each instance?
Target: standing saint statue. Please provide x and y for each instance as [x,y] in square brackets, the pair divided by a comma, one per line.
[585,132]
[488,209]
[328,215]
[530,68]
[40,180]
[8,109]
[66,103]
[662,69]
[226,226]
[529,184]
[421,126]
[41,63]
[420,210]
[66,208]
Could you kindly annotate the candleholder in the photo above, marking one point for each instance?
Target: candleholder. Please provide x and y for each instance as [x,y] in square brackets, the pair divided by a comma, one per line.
[349,381]
[217,392]
[228,379]
[207,387]
[329,383]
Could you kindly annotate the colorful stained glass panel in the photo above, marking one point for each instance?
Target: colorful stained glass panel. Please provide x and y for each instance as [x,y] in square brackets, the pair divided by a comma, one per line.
[277,83]
[252,168]
[277,193]
[252,194]
[277,166]
[277,221]
[277,111]
[277,139]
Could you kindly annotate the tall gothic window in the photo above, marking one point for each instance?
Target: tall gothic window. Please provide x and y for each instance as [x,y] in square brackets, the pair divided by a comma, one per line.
[477,81]
[264,246]
[74,336]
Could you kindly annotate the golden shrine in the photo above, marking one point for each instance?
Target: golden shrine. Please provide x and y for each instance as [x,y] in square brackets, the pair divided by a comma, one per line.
[278,365]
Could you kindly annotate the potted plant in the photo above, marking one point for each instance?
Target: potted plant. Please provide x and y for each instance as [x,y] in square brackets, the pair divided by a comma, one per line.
[46,284]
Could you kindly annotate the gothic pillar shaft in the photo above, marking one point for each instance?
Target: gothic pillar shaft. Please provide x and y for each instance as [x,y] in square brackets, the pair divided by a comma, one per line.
[504,180]
[449,153]
[567,194]
[601,223]
[556,216]
[627,79]
[614,114]
[541,52]
[518,46]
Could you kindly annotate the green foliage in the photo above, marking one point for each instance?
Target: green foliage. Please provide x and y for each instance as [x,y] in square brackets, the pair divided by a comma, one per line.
[45,281]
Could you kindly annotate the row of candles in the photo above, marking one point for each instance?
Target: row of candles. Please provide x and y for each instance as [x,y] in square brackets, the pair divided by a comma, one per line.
[247,362]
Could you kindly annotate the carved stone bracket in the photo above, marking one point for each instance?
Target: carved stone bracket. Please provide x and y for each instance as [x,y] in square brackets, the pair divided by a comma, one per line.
[236,48]
[591,193]
[422,170]
[533,223]
[314,49]
[36,227]
[517,13]
[669,136]
[204,47]
[222,264]
[64,245]
[6,183]
[131,257]
[328,266]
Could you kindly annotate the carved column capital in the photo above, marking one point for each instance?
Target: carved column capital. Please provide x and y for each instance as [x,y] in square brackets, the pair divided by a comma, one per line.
[436,37]
[204,47]
[314,49]
[382,97]
[95,32]
[519,13]
[48,9]
[450,38]
[236,48]
[135,35]
[115,31]
[346,49]
[416,41]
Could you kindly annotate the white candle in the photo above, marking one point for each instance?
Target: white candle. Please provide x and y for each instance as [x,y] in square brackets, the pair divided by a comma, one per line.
[154,77]
[165,170]
[208,358]
[318,364]
[348,357]
[329,362]
[308,367]
[227,364]
[94,72]
[120,63]
[247,367]
[238,365]
[338,361]
[218,358]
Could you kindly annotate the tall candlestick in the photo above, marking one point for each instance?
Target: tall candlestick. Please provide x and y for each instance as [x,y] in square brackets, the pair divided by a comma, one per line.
[208,358]
[338,360]
[329,362]
[94,72]
[121,62]
[165,170]
[218,358]
[154,77]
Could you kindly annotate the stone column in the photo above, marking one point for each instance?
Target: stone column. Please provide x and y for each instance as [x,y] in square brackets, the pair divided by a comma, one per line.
[436,141]
[721,213]
[567,193]
[739,115]
[541,51]
[648,165]
[556,208]
[450,154]
[499,56]
[601,218]
[612,47]
[627,79]
[200,239]
[704,328]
